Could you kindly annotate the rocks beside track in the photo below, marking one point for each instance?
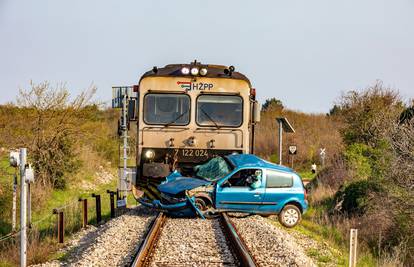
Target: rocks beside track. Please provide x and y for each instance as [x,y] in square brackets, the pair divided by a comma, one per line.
[111,244]
[270,245]
[192,242]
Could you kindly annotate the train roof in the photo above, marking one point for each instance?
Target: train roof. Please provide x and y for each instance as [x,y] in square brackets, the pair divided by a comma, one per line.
[213,71]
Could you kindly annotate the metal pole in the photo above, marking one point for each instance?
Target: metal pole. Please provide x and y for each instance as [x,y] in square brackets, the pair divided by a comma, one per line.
[14,202]
[29,206]
[125,137]
[280,142]
[23,210]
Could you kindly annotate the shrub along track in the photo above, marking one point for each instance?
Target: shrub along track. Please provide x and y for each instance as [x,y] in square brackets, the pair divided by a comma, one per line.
[192,242]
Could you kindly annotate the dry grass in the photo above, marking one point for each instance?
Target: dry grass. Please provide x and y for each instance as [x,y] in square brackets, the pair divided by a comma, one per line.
[313,131]
[38,250]
[320,194]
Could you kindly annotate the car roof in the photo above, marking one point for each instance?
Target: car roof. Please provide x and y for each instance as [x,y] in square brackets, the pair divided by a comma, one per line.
[250,160]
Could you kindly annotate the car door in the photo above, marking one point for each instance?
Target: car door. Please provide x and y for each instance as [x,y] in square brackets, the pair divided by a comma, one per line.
[278,188]
[233,194]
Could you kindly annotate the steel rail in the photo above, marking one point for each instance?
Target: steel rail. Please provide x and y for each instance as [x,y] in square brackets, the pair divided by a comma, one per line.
[148,244]
[239,247]
[143,256]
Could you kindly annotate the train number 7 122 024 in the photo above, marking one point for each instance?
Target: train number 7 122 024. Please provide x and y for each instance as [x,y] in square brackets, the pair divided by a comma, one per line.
[194,153]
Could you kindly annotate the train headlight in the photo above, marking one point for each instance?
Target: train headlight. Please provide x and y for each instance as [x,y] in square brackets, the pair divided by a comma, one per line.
[194,71]
[149,154]
[203,72]
[185,70]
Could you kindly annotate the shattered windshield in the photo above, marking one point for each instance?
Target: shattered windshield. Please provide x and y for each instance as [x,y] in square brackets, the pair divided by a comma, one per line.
[214,169]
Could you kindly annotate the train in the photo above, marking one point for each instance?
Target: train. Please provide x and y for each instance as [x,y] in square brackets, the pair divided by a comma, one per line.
[188,114]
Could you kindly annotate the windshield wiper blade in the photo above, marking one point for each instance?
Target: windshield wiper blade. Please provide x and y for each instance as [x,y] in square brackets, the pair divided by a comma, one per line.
[176,119]
[210,118]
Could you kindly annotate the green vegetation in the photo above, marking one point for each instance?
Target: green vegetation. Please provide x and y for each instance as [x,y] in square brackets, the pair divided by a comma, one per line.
[366,182]
[73,146]
[368,178]
[369,185]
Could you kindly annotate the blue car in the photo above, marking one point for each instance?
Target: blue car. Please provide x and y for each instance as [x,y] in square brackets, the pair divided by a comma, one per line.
[235,183]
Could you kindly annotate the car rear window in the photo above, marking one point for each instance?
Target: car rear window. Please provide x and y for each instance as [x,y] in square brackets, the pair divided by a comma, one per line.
[277,179]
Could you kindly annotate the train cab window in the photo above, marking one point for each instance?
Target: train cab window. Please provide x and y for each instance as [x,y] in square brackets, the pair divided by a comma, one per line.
[171,109]
[219,110]
[275,179]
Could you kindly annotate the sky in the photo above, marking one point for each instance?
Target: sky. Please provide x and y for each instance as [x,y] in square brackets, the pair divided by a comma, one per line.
[305,53]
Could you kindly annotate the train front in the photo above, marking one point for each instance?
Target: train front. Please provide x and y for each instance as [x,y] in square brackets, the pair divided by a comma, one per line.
[188,114]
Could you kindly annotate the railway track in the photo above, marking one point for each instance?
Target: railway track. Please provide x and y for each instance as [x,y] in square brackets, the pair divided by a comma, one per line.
[192,242]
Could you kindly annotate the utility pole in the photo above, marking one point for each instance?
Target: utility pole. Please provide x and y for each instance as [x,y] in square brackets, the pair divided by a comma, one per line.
[14,209]
[23,209]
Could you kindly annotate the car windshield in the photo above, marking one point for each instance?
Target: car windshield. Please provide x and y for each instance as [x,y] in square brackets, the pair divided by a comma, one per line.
[219,110]
[167,109]
[214,169]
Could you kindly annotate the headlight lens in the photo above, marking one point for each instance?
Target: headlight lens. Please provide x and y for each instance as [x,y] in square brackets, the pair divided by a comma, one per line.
[149,154]
[194,71]
[185,70]
[203,72]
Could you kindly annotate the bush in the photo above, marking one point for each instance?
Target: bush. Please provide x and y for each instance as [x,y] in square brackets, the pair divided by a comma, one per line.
[354,199]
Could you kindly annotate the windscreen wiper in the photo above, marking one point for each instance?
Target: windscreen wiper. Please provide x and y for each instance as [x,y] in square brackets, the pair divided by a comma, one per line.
[176,119]
[210,118]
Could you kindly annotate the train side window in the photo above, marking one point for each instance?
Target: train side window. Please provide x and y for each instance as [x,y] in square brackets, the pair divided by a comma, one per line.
[275,179]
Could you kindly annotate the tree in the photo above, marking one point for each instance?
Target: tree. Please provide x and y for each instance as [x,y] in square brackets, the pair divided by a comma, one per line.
[272,104]
[368,115]
[51,129]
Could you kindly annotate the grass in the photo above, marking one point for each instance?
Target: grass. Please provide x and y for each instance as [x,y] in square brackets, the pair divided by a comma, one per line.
[316,225]
[44,245]
[307,175]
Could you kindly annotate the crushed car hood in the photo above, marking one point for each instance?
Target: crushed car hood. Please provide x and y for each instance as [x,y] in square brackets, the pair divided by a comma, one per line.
[180,184]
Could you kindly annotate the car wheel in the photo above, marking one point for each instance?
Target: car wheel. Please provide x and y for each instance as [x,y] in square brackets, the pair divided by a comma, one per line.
[200,204]
[290,216]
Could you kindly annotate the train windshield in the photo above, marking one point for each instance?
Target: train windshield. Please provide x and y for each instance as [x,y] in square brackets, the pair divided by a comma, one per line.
[219,110]
[167,109]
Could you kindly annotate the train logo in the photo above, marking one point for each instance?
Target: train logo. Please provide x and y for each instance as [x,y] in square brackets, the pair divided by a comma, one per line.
[191,86]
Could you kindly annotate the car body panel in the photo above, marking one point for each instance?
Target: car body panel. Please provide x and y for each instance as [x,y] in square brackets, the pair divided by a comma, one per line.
[238,198]
[180,184]
[260,200]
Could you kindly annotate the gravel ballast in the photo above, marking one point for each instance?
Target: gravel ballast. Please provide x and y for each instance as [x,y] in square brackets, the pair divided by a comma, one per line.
[111,244]
[270,245]
[192,242]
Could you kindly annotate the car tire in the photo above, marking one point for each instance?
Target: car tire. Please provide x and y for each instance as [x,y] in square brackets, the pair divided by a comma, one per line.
[290,216]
